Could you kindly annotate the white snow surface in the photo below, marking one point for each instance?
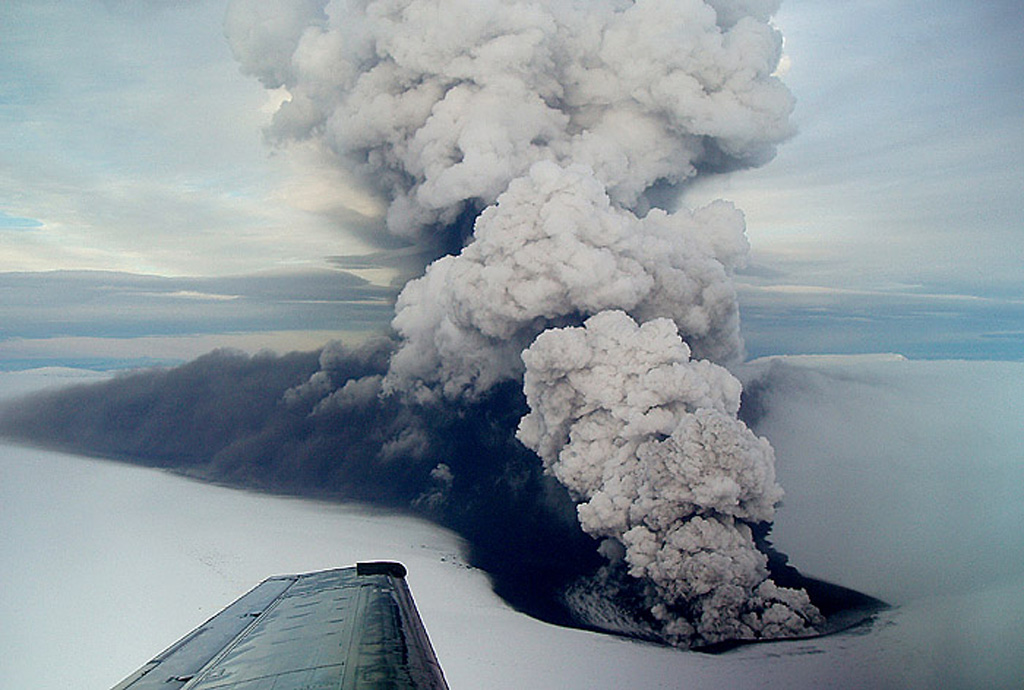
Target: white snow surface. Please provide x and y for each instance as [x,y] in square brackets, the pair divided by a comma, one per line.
[903,479]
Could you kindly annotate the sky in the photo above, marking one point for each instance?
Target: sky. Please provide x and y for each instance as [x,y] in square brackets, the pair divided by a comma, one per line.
[144,219]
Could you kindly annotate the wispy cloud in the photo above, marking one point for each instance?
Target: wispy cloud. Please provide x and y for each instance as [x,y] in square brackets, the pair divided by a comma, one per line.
[925,321]
[136,146]
[90,315]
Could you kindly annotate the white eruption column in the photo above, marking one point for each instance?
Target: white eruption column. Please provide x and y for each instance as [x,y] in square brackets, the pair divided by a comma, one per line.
[561,122]
[646,439]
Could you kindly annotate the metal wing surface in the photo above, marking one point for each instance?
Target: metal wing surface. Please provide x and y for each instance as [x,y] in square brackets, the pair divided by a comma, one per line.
[343,629]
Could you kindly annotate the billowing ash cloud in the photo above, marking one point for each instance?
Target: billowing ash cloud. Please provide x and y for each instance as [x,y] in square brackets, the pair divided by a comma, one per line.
[647,441]
[442,102]
[550,129]
[554,246]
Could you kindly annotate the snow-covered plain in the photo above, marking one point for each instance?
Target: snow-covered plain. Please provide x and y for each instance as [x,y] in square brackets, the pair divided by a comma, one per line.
[904,480]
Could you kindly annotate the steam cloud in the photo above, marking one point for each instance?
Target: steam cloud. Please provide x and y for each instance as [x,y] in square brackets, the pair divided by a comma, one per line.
[558,126]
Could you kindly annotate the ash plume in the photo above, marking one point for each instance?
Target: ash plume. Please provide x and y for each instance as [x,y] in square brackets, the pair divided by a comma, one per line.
[555,121]
[529,147]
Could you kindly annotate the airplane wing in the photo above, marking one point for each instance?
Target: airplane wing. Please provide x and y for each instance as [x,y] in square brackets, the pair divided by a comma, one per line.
[341,629]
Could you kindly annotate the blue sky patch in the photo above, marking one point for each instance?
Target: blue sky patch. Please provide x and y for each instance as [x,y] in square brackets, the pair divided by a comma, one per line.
[17,223]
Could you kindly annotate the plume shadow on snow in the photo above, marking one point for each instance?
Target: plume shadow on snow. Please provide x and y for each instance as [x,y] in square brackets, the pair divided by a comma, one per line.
[261,422]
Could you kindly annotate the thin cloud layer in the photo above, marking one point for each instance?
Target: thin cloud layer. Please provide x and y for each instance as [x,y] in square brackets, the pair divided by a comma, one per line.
[59,304]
